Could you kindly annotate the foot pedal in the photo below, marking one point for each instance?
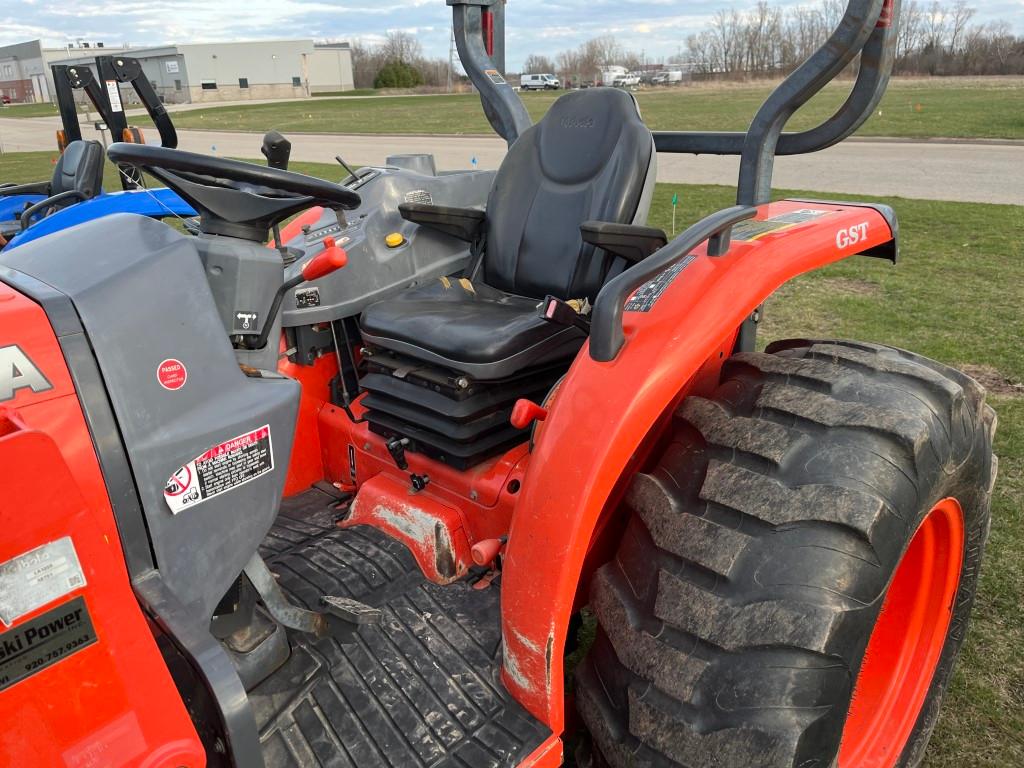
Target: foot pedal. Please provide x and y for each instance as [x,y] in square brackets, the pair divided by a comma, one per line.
[345,616]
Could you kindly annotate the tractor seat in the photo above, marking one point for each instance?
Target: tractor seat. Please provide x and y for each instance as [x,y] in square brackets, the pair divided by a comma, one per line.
[590,158]
[77,176]
[79,169]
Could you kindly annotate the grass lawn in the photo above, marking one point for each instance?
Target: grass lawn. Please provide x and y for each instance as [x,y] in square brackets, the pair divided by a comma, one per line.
[343,94]
[29,110]
[955,296]
[25,167]
[984,108]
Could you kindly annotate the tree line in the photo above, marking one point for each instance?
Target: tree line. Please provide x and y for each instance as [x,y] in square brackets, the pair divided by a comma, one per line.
[939,37]
[935,38]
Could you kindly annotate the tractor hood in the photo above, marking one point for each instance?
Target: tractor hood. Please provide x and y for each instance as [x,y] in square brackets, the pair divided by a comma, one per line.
[207,445]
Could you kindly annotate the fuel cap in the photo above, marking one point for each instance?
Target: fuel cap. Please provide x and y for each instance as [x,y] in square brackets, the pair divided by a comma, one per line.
[395,240]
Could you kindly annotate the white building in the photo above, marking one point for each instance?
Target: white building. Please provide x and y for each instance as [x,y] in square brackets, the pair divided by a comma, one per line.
[193,72]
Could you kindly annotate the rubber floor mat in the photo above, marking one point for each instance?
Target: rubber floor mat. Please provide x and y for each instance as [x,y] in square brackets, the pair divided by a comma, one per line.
[421,689]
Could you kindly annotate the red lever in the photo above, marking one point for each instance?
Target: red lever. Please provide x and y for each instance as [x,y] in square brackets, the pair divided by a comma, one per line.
[485,551]
[331,259]
[525,412]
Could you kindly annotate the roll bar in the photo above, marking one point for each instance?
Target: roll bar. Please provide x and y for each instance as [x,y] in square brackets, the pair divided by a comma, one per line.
[868,28]
[68,78]
[124,69]
[113,70]
[480,38]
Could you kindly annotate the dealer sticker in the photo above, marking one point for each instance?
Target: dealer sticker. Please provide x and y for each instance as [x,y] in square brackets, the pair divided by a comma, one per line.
[40,576]
[44,641]
[221,469]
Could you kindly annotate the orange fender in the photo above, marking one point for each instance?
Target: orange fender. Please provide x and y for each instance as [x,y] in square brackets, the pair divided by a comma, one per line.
[597,427]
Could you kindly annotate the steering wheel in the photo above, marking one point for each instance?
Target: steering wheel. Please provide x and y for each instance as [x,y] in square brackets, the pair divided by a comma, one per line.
[234,197]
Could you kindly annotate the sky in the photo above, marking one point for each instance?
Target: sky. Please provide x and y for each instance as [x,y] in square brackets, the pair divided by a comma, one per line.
[656,27]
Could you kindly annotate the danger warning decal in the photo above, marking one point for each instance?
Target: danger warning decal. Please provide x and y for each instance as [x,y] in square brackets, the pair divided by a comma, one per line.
[221,469]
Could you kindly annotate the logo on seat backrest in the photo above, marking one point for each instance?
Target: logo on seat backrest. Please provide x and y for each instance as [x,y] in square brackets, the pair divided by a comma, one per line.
[576,122]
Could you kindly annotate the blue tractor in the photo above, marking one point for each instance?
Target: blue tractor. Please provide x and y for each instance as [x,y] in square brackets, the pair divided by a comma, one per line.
[75,192]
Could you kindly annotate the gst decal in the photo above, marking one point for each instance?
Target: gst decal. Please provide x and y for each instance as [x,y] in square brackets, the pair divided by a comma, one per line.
[850,236]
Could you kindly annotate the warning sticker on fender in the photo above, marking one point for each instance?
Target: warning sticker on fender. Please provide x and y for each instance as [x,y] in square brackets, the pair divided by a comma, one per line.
[37,577]
[44,641]
[221,469]
[752,230]
[647,295]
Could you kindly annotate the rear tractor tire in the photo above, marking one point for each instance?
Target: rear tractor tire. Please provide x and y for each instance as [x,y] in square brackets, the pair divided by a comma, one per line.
[798,569]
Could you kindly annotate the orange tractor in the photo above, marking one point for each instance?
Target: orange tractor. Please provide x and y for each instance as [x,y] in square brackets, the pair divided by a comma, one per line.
[357,498]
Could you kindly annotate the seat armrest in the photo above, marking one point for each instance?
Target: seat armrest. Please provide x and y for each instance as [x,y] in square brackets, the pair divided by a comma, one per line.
[37,188]
[631,242]
[464,223]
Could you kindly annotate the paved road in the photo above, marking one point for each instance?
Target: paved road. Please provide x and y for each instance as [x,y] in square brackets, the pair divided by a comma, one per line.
[985,173]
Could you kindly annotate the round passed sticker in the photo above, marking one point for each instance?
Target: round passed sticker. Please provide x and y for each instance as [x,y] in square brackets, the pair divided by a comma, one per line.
[171,374]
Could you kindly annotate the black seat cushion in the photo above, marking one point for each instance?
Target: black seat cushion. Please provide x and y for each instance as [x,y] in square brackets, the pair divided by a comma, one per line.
[469,327]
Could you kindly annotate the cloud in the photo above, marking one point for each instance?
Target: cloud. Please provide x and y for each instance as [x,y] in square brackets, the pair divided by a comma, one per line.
[655,27]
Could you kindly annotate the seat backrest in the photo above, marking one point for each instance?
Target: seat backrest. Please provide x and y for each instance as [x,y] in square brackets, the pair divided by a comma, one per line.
[590,157]
[80,168]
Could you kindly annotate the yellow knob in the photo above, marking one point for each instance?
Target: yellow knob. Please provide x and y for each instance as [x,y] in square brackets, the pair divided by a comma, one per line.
[394,240]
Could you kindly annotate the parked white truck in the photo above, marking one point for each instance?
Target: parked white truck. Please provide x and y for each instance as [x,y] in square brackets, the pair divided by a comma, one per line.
[668,77]
[540,83]
[610,74]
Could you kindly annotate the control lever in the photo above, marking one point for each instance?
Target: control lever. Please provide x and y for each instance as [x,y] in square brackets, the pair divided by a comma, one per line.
[396,447]
[329,260]
[347,167]
[277,149]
